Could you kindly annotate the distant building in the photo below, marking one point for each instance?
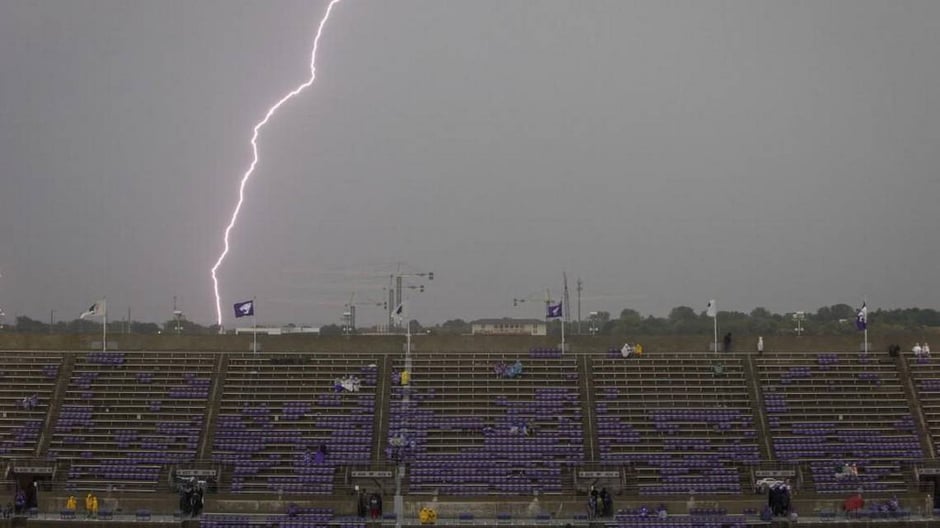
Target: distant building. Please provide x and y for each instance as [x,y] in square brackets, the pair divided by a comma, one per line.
[278,330]
[508,326]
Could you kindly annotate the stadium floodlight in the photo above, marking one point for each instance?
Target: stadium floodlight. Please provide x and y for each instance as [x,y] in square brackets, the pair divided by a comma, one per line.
[178,314]
[799,317]
[593,318]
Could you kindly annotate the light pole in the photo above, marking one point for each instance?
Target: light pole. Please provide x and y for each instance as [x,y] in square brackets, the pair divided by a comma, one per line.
[799,317]
[397,284]
[177,314]
[400,310]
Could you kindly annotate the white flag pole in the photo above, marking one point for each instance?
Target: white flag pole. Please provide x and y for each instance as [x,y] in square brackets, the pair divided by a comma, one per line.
[254,328]
[408,326]
[104,327]
[715,323]
[865,305]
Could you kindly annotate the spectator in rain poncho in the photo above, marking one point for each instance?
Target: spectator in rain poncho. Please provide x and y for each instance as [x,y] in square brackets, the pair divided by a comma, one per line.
[626,350]
[503,370]
[515,370]
[427,515]
[348,383]
[846,470]
[853,503]
[778,498]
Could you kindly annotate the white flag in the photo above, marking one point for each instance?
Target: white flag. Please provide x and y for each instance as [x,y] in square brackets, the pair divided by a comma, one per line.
[98,309]
[712,309]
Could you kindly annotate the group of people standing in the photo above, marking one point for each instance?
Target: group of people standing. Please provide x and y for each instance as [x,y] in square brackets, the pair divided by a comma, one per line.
[368,504]
[91,505]
[600,503]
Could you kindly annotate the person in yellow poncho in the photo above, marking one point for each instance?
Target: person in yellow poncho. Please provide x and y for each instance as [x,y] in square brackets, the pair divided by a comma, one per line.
[71,504]
[427,515]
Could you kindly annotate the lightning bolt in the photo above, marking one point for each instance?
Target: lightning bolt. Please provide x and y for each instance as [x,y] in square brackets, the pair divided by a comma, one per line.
[254,160]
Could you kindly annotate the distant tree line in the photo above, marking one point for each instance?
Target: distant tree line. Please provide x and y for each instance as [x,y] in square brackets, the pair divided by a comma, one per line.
[27,325]
[682,320]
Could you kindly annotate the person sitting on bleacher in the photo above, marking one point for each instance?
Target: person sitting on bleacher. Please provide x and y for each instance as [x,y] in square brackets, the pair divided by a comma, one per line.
[925,350]
[853,503]
[626,350]
[71,504]
[515,370]
[662,512]
[917,350]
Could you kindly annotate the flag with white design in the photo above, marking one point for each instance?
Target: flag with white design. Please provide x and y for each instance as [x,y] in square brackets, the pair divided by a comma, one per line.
[712,309]
[244,309]
[99,309]
[861,317]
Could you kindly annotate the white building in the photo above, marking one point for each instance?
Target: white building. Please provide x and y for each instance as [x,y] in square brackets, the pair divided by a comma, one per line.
[278,330]
[508,326]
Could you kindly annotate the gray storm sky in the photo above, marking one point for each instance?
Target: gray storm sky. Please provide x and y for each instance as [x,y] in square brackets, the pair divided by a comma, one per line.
[780,154]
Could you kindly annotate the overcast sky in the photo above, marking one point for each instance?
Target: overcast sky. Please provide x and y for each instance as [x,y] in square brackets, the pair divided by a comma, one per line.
[782,154]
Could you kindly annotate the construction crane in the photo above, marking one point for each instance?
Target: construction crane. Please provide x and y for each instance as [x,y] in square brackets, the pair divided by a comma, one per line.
[396,283]
[547,299]
[349,313]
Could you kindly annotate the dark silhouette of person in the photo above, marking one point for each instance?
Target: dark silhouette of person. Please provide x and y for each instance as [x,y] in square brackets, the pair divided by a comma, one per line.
[727,342]
[362,503]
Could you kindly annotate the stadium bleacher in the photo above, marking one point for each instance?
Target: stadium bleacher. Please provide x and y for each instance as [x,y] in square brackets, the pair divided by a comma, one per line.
[829,410]
[467,425]
[683,421]
[466,430]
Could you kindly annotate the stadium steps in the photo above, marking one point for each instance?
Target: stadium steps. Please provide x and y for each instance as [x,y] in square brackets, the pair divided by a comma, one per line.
[212,409]
[917,411]
[383,392]
[589,433]
[757,408]
[62,383]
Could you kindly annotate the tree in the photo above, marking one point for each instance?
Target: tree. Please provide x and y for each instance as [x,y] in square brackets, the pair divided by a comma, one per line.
[138,327]
[415,327]
[30,326]
[682,313]
[455,327]
[331,330]
[761,313]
